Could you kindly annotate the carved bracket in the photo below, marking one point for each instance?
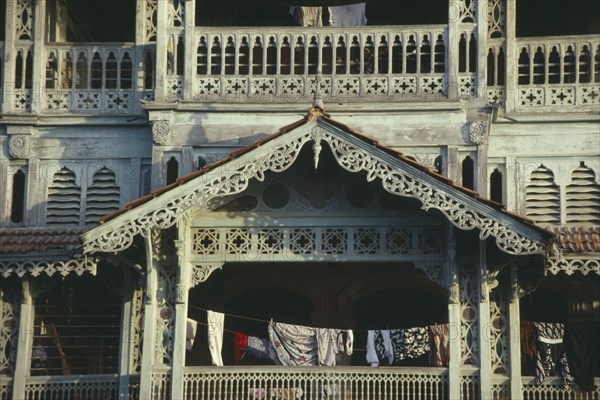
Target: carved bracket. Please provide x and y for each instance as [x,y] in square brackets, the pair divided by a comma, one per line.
[435,272]
[200,273]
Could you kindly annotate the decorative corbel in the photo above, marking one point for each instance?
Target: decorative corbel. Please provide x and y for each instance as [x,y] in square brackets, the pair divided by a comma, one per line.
[316,136]
[200,273]
[488,283]
[453,293]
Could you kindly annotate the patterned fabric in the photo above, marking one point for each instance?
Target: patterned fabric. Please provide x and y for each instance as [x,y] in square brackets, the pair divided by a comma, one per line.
[439,354]
[551,358]
[303,345]
[216,324]
[396,344]
[260,348]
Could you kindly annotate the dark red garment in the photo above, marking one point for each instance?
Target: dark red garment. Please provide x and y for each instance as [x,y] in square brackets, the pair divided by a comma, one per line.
[582,343]
[240,344]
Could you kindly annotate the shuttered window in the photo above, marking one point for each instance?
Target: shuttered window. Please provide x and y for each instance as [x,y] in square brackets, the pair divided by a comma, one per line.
[102,196]
[583,197]
[542,197]
[64,200]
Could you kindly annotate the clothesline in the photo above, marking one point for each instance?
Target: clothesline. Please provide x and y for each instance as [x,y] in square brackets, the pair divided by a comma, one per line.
[268,321]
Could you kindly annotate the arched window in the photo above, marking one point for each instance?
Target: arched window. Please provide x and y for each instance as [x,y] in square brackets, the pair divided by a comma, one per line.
[496,192]
[18,197]
[126,71]
[542,197]
[172,170]
[468,173]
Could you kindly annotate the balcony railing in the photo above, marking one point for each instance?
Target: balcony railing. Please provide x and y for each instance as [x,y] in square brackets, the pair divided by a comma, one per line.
[5,388]
[89,387]
[555,389]
[358,383]
[258,64]
[96,79]
[558,71]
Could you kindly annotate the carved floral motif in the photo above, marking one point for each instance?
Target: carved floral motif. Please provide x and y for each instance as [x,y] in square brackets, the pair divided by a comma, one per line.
[161,130]
[18,146]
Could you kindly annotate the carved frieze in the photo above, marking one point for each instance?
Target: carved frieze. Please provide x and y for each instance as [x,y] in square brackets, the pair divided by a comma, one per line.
[161,130]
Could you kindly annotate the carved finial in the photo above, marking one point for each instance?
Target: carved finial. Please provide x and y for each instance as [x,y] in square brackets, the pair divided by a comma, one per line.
[318,100]
[316,137]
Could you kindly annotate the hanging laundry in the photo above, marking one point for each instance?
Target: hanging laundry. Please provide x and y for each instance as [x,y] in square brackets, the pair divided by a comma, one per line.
[528,340]
[350,15]
[551,357]
[216,324]
[307,16]
[582,344]
[439,353]
[286,393]
[260,348]
[190,334]
[240,344]
[303,345]
[257,393]
[410,342]
[379,347]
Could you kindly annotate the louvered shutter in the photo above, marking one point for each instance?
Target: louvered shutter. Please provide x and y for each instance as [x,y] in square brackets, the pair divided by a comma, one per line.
[102,196]
[583,197]
[542,197]
[64,200]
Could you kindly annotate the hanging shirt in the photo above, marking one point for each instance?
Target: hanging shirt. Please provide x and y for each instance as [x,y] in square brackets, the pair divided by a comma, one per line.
[379,347]
[350,15]
[216,324]
[190,334]
[551,357]
[410,342]
[307,16]
[240,344]
[439,353]
[260,348]
[582,343]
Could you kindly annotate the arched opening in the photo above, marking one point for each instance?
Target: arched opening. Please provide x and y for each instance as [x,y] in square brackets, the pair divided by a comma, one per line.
[18,198]
[496,192]
[172,170]
[468,173]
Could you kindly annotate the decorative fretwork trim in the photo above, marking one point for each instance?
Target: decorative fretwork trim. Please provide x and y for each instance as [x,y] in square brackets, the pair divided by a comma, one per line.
[571,264]
[200,273]
[354,155]
[37,268]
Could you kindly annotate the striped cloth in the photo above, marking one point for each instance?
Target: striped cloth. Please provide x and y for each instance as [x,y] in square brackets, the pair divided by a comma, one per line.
[551,358]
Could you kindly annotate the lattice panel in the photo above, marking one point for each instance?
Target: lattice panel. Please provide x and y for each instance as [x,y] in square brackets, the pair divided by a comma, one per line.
[403,85]
[375,86]
[221,244]
[469,296]
[117,101]
[291,88]
[322,84]
[166,319]
[561,96]
[467,85]
[432,85]
[22,100]
[347,87]
[150,11]
[208,86]
[88,100]
[470,387]
[176,13]
[495,94]
[588,96]
[175,87]
[9,324]
[235,86]
[498,332]
[137,329]
[466,10]
[262,88]
[23,19]
[531,96]
[57,100]
[496,19]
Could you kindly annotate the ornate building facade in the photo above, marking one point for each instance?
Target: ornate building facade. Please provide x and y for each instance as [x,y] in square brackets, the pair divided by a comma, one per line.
[432,167]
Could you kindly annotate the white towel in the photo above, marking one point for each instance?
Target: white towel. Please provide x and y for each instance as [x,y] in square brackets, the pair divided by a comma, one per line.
[216,322]
[190,334]
[350,15]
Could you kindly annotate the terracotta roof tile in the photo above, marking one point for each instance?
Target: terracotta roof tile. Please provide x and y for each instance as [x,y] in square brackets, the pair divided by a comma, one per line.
[26,240]
[578,239]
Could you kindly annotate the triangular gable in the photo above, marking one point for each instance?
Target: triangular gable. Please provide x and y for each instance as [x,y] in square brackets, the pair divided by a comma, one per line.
[353,152]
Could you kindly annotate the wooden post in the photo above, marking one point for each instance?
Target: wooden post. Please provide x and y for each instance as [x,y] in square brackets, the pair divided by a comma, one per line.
[150,315]
[189,50]
[10,55]
[485,355]
[481,177]
[126,348]
[25,341]
[482,34]
[38,92]
[162,38]
[514,336]
[452,49]
[454,329]
[510,91]
[181,310]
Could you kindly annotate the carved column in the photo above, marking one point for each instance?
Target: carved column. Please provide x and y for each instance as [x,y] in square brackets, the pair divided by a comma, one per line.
[189,67]
[39,64]
[181,310]
[511,56]
[514,336]
[127,347]
[482,33]
[485,356]
[23,362]
[150,316]
[452,48]
[453,315]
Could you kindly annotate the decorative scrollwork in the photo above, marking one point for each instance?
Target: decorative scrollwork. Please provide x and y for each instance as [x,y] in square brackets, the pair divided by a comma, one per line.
[435,272]
[478,132]
[200,273]
[234,177]
[23,19]
[569,266]
[18,146]
[37,268]
[161,130]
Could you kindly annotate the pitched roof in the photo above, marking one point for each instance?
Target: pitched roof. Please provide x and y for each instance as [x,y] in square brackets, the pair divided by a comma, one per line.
[27,240]
[318,115]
